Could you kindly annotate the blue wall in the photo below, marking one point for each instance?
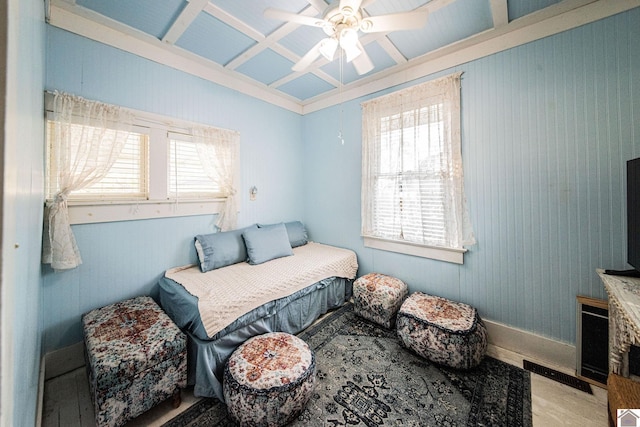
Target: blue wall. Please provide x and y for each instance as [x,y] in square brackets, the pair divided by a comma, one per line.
[123,259]
[22,207]
[547,128]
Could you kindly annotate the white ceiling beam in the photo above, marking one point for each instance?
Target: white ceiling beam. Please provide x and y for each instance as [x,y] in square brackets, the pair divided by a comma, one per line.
[555,19]
[295,74]
[499,12]
[315,67]
[391,50]
[269,41]
[182,22]
[434,5]
[385,43]
[233,22]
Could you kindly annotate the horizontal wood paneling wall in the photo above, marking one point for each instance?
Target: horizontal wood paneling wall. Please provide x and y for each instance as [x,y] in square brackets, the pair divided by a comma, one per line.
[547,129]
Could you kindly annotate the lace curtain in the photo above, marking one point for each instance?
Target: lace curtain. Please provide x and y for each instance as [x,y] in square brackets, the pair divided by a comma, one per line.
[412,166]
[218,152]
[86,139]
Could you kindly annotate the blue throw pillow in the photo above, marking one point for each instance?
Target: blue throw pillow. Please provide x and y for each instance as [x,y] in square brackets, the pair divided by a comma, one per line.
[296,231]
[267,243]
[218,250]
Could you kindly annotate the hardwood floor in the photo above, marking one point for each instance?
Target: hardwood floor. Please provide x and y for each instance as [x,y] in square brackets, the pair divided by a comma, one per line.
[67,403]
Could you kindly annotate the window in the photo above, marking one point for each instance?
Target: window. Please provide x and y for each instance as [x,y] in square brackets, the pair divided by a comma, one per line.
[412,184]
[126,179]
[101,168]
[151,168]
[188,178]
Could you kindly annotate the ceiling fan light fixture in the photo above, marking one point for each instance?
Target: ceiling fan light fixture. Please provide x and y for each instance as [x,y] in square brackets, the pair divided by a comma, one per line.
[342,20]
[349,43]
[348,38]
[328,48]
[352,52]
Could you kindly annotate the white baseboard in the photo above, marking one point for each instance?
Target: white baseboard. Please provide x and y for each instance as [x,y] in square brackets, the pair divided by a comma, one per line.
[64,360]
[525,343]
[531,345]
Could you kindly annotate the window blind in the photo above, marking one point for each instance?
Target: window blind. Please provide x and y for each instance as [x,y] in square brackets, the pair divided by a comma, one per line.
[126,179]
[187,176]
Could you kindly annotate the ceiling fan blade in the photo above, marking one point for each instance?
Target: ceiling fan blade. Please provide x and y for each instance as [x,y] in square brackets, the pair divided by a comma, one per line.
[308,57]
[352,5]
[319,5]
[282,15]
[362,62]
[394,22]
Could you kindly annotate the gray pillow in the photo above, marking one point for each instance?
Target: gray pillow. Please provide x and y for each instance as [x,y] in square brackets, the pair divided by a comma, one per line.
[218,250]
[267,243]
[296,232]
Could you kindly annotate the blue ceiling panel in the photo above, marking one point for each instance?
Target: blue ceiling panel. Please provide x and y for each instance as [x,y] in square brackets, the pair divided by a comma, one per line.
[520,8]
[214,40]
[378,56]
[455,22]
[249,16]
[266,67]
[150,16]
[306,86]
[396,6]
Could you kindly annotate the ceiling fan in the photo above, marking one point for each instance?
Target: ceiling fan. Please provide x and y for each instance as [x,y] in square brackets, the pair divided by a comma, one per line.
[341,21]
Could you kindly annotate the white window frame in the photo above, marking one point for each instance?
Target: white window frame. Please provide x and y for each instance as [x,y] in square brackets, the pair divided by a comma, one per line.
[442,253]
[159,204]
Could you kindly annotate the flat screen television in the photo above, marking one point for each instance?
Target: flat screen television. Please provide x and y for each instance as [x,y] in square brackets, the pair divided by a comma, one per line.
[633,213]
[633,220]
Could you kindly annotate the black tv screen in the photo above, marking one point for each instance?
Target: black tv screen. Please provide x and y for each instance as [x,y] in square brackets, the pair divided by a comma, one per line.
[633,213]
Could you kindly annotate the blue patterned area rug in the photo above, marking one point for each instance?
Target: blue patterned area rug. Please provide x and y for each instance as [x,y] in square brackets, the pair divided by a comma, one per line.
[365,378]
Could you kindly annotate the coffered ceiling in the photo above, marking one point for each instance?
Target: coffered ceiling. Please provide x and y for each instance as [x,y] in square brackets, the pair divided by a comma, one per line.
[231,42]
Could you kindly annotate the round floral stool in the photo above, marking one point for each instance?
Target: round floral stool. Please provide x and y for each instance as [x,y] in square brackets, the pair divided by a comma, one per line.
[269,379]
[377,297]
[445,332]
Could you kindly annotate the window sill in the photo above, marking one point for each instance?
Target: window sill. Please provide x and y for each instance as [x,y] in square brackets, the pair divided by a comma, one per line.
[90,213]
[455,256]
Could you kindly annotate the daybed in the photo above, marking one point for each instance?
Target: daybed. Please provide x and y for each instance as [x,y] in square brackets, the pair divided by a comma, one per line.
[250,282]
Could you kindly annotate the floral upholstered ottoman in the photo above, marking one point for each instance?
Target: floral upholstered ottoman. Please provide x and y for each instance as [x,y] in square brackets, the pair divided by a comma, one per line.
[445,332]
[136,357]
[378,297]
[268,380]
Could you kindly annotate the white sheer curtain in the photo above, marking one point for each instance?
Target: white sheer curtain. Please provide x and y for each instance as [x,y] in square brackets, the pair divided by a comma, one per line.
[412,177]
[86,138]
[218,152]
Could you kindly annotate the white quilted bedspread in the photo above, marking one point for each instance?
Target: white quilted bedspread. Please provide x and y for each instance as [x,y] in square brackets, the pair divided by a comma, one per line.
[227,293]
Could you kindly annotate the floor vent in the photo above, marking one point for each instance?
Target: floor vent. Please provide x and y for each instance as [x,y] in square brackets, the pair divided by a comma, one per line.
[557,376]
